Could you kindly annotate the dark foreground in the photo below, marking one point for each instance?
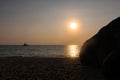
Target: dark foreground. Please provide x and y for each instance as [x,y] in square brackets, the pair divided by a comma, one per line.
[19,68]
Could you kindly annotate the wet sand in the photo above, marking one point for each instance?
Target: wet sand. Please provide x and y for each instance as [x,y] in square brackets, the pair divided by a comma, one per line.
[34,68]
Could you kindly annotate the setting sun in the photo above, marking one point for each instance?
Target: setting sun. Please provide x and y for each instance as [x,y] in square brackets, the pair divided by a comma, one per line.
[73,25]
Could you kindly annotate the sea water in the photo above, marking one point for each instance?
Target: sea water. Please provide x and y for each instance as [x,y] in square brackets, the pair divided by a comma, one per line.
[40,50]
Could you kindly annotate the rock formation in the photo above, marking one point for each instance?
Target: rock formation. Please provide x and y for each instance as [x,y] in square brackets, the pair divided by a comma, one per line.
[103,49]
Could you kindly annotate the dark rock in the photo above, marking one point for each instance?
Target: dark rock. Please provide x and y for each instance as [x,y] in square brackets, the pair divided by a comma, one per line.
[111,66]
[102,50]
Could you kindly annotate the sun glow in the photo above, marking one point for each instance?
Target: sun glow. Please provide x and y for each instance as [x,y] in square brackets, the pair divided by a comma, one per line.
[73,25]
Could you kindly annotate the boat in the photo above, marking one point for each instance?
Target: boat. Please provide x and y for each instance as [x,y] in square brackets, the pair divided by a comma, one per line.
[25,44]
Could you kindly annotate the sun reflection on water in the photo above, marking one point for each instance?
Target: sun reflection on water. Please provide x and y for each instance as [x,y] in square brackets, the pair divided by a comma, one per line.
[73,51]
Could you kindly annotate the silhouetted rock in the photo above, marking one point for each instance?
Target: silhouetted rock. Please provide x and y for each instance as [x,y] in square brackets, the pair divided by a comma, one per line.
[103,49]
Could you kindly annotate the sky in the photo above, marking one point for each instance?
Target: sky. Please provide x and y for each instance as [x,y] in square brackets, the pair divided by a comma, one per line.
[47,22]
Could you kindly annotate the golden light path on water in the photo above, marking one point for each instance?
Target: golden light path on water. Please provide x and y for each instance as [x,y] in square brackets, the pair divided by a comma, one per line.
[73,51]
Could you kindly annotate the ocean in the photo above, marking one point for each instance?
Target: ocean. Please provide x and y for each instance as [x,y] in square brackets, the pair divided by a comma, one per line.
[39,50]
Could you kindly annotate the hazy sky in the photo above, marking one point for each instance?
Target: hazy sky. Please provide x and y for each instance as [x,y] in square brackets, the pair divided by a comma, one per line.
[48,21]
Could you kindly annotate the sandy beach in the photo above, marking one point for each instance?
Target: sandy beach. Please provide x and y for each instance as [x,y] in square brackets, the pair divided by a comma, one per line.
[34,68]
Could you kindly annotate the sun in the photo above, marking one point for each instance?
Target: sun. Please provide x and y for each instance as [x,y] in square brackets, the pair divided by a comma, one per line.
[73,25]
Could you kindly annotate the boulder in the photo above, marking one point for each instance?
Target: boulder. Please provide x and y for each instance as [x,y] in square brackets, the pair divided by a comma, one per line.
[102,50]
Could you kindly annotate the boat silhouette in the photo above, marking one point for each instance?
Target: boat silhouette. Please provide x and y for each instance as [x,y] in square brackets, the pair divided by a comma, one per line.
[25,44]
